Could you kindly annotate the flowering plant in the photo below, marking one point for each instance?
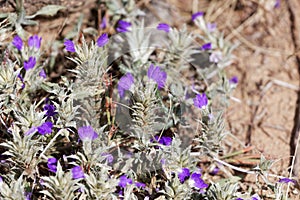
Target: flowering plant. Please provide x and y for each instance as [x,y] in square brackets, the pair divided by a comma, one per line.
[126,121]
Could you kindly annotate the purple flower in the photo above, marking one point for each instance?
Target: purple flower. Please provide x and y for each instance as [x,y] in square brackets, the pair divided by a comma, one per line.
[277,4]
[124,181]
[45,128]
[52,164]
[215,171]
[163,27]
[123,26]
[69,45]
[286,180]
[255,197]
[87,133]
[22,80]
[211,27]
[156,74]
[140,185]
[206,46]
[17,42]
[102,40]
[108,156]
[3,158]
[50,110]
[30,63]
[200,101]
[125,83]
[183,174]
[234,80]
[121,194]
[197,182]
[31,130]
[164,140]
[196,15]
[77,172]
[43,74]
[28,195]
[103,23]
[35,41]
[239,199]
[1,179]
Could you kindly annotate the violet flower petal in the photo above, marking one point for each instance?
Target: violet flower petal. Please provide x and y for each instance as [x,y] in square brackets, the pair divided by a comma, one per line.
[125,83]
[123,181]
[87,133]
[164,140]
[22,80]
[123,26]
[206,46]
[255,197]
[234,80]
[35,41]
[52,164]
[102,40]
[31,130]
[286,180]
[77,172]
[45,128]
[156,74]
[17,42]
[197,181]
[200,101]
[69,46]
[109,157]
[163,27]
[43,74]
[183,174]
[140,185]
[196,15]
[103,24]
[50,110]
[30,63]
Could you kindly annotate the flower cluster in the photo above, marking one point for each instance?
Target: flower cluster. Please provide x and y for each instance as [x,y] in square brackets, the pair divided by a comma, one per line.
[30,60]
[124,181]
[101,42]
[126,82]
[194,179]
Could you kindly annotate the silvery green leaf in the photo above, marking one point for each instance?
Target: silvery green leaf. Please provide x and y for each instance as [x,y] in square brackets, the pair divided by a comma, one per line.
[3,15]
[49,10]
[28,22]
[90,30]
